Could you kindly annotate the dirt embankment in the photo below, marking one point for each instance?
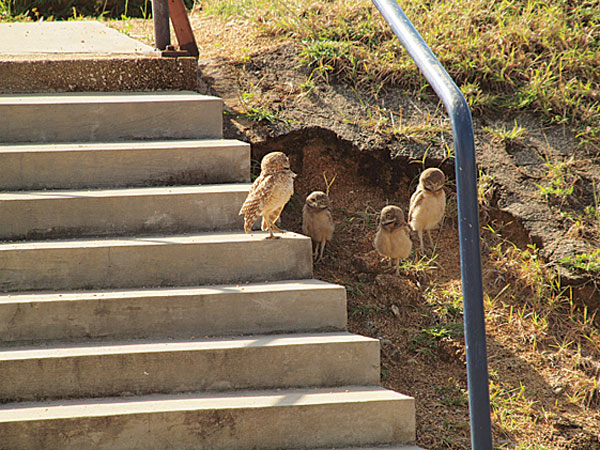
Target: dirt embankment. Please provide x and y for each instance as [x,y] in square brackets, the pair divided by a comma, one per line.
[274,84]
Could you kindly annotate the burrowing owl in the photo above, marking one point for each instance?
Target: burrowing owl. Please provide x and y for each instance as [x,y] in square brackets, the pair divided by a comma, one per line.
[428,203]
[392,238]
[269,193]
[317,221]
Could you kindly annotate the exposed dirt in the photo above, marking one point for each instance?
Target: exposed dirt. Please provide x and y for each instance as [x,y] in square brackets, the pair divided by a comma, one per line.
[274,80]
[330,130]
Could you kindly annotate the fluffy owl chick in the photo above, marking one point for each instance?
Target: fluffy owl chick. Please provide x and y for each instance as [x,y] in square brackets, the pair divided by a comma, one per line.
[269,193]
[317,221]
[392,238]
[428,203]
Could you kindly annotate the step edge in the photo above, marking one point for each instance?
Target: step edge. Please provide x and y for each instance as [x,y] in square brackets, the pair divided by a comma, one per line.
[58,350]
[307,284]
[100,193]
[181,402]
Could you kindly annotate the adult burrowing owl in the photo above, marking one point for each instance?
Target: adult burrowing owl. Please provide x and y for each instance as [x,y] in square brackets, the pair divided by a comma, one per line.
[317,221]
[269,193]
[428,203]
[392,238]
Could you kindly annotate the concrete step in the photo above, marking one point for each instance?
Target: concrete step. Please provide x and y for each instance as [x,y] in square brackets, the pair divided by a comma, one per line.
[225,310]
[297,418]
[109,116]
[67,370]
[154,261]
[181,209]
[121,164]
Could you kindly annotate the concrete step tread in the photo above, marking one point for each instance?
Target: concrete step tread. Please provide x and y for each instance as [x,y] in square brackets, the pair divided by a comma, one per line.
[119,406]
[305,305]
[75,98]
[124,192]
[155,144]
[78,349]
[221,237]
[125,294]
[102,116]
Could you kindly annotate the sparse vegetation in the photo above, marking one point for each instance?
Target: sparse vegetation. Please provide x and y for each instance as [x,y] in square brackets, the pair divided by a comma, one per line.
[512,55]
[507,57]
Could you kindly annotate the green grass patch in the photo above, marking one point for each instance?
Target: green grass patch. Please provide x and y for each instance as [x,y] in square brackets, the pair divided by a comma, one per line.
[537,56]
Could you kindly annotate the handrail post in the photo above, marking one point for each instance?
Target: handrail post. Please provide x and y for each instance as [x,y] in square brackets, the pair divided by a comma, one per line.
[468,219]
[160,16]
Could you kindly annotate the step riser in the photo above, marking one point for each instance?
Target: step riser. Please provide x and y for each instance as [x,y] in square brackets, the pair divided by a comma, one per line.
[154,265]
[253,367]
[109,117]
[52,217]
[322,426]
[103,166]
[175,315]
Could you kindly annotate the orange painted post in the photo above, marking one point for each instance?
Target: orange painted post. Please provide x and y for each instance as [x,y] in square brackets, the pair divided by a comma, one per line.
[182,27]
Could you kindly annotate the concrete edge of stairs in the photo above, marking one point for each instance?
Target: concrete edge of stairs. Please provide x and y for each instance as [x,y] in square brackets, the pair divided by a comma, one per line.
[219,310]
[104,369]
[117,212]
[335,417]
[195,259]
[100,116]
[84,165]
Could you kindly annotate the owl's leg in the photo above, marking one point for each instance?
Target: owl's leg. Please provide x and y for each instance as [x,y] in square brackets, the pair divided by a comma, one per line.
[320,255]
[322,248]
[271,235]
[420,233]
[398,266]
[268,225]
[315,254]
[273,217]
[430,240]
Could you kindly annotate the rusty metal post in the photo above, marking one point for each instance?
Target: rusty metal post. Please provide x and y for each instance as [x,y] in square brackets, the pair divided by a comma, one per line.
[160,15]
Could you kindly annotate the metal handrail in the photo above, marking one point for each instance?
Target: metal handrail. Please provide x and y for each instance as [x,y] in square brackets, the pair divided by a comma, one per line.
[468,220]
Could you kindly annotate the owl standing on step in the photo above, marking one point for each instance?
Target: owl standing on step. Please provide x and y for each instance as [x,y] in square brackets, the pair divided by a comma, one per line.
[317,221]
[428,203]
[393,235]
[269,193]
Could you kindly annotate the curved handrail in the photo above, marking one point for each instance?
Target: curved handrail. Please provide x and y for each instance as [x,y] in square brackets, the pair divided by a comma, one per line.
[468,220]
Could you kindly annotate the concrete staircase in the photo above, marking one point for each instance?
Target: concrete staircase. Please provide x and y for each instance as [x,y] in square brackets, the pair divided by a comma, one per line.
[135,314]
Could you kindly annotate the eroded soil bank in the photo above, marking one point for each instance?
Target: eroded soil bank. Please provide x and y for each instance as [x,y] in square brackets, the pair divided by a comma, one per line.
[268,97]
[543,372]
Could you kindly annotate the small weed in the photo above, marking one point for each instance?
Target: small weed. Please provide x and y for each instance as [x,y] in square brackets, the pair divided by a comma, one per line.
[308,85]
[366,310]
[354,289]
[452,395]
[420,264]
[254,169]
[255,109]
[586,262]
[366,219]
[561,180]
[485,188]
[427,131]
[328,183]
[507,137]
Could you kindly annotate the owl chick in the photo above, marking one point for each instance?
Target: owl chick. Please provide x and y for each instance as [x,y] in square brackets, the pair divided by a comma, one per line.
[392,238]
[269,193]
[428,203]
[317,221]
